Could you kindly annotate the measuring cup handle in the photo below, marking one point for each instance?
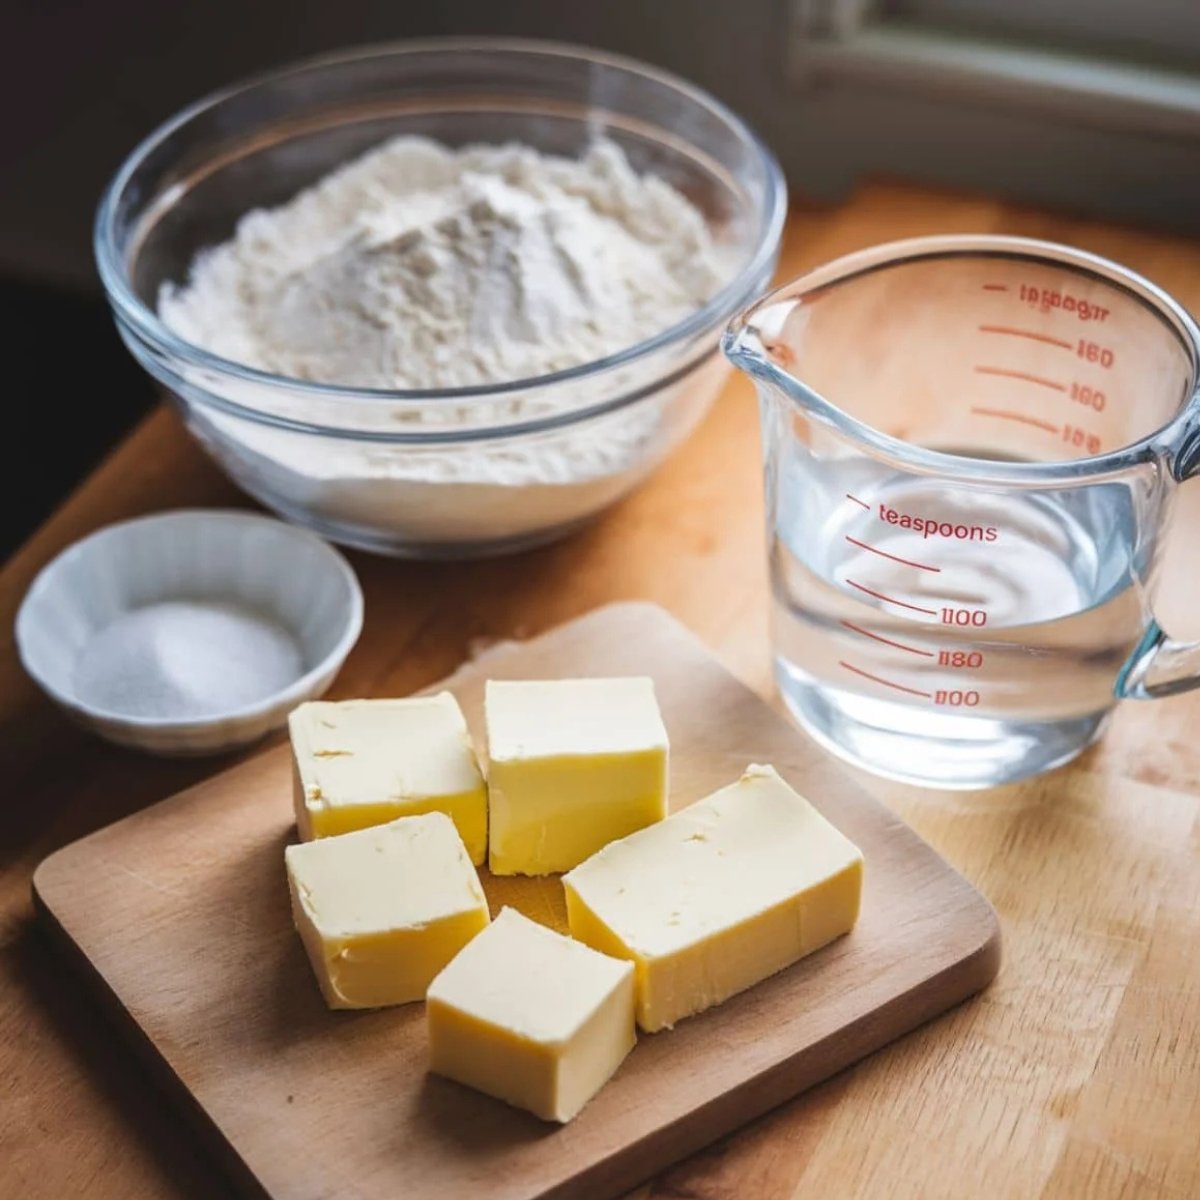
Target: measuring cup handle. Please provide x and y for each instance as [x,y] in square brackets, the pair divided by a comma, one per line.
[1162,665]
[1159,666]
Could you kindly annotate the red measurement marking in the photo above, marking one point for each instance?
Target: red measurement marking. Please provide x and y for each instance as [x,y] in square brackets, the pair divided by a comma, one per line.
[858,501]
[886,641]
[908,562]
[1081,437]
[1024,376]
[995,287]
[886,682]
[1026,333]
[891,599]
[1006,415]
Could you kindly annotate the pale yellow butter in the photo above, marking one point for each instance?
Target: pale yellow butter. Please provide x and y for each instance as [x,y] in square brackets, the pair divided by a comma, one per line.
[382,910]
[719,896]
[531,1017]
[574,764]
[358,763]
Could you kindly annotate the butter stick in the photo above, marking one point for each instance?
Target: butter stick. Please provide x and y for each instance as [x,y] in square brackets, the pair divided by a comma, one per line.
[717,897]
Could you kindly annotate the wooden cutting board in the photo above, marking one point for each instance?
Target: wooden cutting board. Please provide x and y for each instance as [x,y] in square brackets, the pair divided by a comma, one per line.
[181,912]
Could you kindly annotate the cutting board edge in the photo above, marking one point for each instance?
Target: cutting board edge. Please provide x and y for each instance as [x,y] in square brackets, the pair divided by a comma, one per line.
[161,1074]
[792,1077]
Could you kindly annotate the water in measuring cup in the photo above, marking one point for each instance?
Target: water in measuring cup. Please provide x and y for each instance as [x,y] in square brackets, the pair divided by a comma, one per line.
[946,636]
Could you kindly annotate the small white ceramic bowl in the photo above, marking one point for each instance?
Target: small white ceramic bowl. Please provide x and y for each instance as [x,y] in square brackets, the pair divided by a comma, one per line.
[284,573]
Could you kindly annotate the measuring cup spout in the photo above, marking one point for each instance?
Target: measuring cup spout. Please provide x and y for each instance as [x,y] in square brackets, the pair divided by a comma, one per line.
[754,343]
[771,342]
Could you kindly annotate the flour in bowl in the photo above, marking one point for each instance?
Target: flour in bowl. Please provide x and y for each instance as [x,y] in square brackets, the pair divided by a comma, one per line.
[419,266]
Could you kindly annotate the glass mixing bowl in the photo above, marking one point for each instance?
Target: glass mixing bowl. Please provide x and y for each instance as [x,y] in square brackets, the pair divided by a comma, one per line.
[453,472]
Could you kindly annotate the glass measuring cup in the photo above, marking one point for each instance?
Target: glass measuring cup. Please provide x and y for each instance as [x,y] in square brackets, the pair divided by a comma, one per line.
[971,446]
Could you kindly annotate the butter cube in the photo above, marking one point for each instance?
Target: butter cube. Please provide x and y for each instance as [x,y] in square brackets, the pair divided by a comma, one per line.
[358,763]
[717,897]
[575,763]
[381,911]
[531,1017]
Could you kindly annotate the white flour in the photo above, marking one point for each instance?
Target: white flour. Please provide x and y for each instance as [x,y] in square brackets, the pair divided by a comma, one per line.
[422,267]
[419,267]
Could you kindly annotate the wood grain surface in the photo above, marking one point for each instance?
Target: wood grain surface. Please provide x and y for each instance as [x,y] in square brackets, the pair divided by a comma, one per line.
[182,912]
[1076,1074]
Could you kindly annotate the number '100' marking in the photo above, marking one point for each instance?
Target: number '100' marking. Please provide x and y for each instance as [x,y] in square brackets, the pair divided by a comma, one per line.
[956,699]
[963,616]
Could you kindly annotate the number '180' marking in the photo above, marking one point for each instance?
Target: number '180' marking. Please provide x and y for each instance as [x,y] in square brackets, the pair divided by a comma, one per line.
[962,660]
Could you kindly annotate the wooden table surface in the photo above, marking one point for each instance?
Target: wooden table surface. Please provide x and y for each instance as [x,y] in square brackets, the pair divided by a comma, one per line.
[1076,1074]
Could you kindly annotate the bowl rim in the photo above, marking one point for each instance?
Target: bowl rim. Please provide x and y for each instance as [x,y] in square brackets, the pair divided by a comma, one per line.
[730,298]
[294,693]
